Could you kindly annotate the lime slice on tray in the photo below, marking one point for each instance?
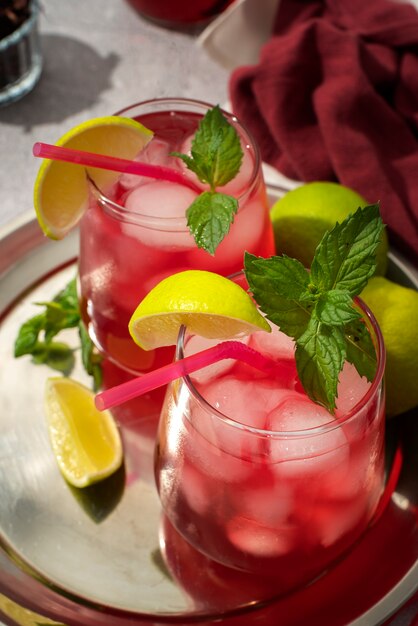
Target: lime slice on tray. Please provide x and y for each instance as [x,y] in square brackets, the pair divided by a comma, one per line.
[86,442]
[208,304]
[61,189]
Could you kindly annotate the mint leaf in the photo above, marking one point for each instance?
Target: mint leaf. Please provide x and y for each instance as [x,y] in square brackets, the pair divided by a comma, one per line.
[216,158]
[35,336]
[335,307]
[28,334]
[216,153]
[62,312]
[58,356]
[320,355]
[280,287]
[317,308]
[346,256]
[57,318]
[90,358]
[209,219]
[67,298]
[360,349]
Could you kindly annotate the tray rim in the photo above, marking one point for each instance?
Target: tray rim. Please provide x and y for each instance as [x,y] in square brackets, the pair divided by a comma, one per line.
[30,237]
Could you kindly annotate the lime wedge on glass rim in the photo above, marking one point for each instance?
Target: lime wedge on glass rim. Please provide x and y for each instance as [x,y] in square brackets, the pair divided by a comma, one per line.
[61,193]
[85,441]
[210,305]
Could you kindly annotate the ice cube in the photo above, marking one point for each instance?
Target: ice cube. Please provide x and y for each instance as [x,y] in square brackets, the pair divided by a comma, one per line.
[195,490]
[156,152]
[164,204]
[351,389]
[245,402]
[308,453]
[280,348]
[202,450]
[130,254]
[215,447]
[276,344]
[235,451]
[258,540]
[269,505]
[363,469]
[296,412]
[205,375]
[331,522]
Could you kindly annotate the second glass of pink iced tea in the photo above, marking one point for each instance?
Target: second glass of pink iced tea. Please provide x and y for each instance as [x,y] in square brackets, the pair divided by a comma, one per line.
[258,477]
[137,235]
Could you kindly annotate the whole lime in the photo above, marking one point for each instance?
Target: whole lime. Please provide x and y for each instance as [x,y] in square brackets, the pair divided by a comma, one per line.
[396,310]
[304,214]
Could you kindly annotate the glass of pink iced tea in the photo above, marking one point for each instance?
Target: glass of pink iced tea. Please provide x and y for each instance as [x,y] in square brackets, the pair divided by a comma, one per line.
[137,235]
[181,12]
[258,477]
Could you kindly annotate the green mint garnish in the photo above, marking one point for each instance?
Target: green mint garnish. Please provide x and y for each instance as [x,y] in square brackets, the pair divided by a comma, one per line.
[36,336]
[216,158]
[209,219]
[316,308]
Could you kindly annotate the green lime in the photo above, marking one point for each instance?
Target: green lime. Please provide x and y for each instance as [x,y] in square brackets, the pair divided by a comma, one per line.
[303,215]
[396,310]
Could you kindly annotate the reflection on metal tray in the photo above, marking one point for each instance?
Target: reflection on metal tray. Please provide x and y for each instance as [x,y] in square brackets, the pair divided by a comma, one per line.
[94,557]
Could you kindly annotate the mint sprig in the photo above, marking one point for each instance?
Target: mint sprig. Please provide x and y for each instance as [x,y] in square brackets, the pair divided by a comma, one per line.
[215,158]
[316,308]
[36,336]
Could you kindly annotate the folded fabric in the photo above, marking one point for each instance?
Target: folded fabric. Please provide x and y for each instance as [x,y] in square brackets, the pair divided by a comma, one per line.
[335,97]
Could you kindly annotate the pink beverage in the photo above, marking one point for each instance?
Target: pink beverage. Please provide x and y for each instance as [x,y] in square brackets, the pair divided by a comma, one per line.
[137,235]
[181,12]
[258,477]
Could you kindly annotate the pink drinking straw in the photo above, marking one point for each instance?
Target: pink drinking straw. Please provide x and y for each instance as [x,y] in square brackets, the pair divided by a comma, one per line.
[105,162]
[147,382]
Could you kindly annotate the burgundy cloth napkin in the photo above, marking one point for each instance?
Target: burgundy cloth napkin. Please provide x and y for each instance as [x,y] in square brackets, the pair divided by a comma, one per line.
[335,97]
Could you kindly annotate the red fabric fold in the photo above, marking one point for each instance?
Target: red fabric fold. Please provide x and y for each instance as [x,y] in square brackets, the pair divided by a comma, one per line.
[335,97]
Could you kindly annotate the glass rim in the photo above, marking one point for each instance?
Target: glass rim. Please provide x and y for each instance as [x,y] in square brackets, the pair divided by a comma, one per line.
[24,29]
[177,224]
[308,432]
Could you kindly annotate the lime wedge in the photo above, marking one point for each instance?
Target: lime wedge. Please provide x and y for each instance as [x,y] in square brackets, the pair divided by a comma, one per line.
[208,304]
[61,189]
[86,442]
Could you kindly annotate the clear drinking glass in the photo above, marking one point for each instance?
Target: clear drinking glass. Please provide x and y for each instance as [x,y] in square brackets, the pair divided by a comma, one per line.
[138,235]
[256,476]
[20,59]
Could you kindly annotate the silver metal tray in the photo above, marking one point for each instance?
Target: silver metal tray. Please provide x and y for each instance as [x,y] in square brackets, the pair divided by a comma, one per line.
[95,558]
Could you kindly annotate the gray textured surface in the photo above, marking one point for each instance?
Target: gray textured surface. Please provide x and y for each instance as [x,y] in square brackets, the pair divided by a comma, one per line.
[99,56]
